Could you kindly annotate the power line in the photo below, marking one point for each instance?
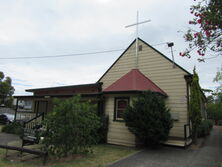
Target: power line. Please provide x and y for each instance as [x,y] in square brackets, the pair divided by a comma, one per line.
[65,55]
[163,43]
[69,55]
[212,57]
[207,58]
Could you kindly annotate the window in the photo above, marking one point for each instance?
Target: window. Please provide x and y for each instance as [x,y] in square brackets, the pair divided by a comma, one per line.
[120,106]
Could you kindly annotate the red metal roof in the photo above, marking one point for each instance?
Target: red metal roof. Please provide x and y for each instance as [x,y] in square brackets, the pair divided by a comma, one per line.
[134,81]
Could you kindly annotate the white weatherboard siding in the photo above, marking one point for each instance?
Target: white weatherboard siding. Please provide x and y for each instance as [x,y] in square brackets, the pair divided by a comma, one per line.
[158,69]
[118,133]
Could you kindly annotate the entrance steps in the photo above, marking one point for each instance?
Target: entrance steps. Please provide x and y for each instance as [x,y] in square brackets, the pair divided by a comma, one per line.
[178,142]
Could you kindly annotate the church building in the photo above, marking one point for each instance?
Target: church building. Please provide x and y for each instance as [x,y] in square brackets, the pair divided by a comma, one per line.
[129,76]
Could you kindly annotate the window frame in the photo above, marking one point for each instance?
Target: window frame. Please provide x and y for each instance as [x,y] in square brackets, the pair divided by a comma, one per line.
[115,107]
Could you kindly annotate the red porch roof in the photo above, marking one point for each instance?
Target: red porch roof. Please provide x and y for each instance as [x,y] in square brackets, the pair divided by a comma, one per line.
[134,81]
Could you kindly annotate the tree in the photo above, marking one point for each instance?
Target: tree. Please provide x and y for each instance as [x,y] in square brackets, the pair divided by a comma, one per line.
[210,99]
[71,127]
[214,107]
[6,90]
[218,79]
[195,105]
[149,119]
[214,111]
[207,33]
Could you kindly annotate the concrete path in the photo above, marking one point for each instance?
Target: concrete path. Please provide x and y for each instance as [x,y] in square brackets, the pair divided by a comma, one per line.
[209,155]
[7,138]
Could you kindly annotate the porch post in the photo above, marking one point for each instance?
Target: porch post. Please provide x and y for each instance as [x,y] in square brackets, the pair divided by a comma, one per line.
[46,110]
[16,108]
[37,108]
[100,107]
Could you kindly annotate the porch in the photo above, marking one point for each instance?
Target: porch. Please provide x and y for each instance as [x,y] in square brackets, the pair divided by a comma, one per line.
[39,105]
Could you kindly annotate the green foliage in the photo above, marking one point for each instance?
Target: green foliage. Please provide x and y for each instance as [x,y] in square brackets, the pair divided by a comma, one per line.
[218,79]
[195,105]
[149,119]
[71,127]
[214,112]
[214,106]
[204,128]
[219,164]
[6,90]
[218,76]
[14,128]
[210,99]
[206,32]
[210,124]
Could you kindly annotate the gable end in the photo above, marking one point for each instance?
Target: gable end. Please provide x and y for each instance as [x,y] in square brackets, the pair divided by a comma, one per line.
[165,56]
[116,61]
[148,46]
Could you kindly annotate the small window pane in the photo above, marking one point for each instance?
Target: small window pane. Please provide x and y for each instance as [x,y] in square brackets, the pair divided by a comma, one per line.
[122,104]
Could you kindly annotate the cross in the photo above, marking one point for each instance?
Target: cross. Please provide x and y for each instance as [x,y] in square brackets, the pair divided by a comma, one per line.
[136,24]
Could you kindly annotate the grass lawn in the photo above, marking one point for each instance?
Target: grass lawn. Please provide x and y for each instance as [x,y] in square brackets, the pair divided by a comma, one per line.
[102,156]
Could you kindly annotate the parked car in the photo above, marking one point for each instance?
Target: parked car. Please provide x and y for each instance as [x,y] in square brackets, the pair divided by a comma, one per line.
[6,118]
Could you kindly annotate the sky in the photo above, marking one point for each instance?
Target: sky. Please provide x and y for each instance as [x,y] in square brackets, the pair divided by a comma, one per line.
[60,27]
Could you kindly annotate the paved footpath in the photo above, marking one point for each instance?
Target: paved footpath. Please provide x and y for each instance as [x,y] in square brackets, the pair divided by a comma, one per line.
[209,155]
[6,138]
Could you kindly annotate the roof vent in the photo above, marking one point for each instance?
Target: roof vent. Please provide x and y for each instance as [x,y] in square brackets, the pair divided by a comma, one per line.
[140,47]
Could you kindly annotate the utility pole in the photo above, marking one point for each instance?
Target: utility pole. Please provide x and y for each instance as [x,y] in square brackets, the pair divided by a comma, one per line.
[170,45]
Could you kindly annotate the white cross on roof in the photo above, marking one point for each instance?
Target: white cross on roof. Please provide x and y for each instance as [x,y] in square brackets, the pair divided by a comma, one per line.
[136,24]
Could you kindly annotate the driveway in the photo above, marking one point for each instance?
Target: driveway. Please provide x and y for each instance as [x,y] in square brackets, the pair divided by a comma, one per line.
[207,156]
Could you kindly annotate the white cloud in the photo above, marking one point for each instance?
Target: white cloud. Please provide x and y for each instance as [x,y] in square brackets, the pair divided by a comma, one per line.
[17,29]
[26,77]
[45,28]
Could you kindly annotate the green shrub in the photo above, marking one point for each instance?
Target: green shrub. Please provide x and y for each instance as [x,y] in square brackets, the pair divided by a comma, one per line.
[149,119]
[219,164]
[14,128]
[195,105]
[210,123]
[203,129]
[214,112]
[71,127]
